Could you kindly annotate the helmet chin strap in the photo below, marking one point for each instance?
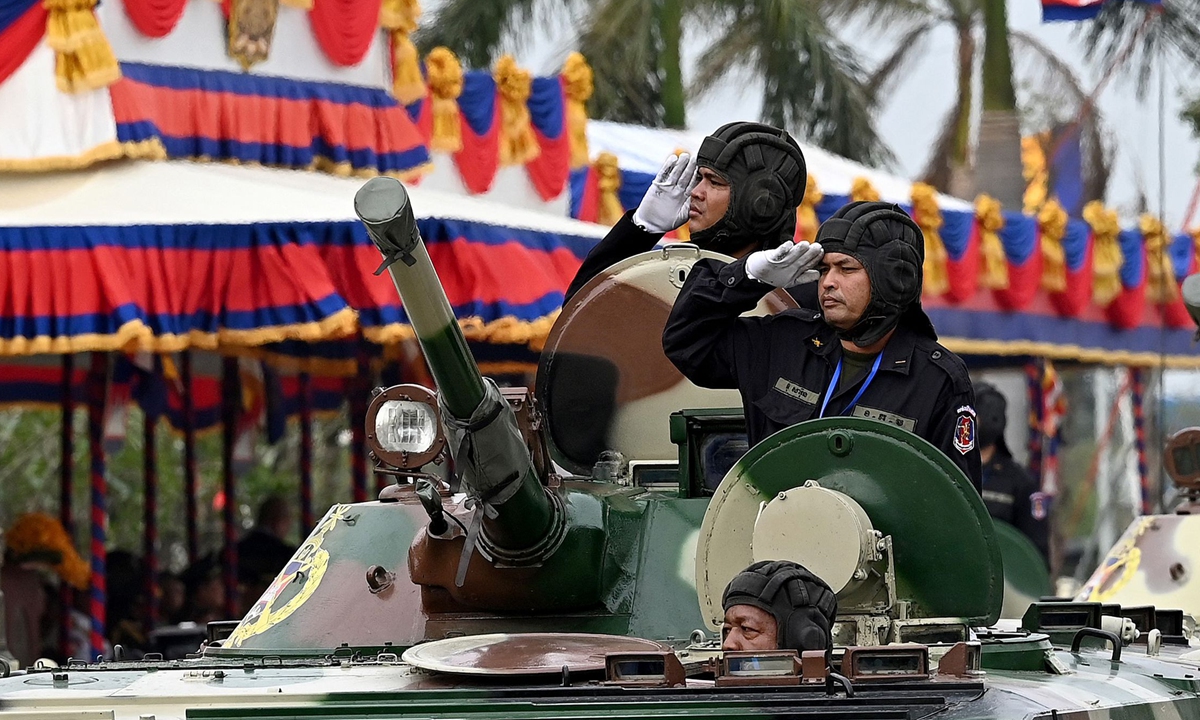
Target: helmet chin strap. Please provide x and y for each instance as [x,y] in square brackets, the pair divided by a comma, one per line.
[870,329]
[718,239]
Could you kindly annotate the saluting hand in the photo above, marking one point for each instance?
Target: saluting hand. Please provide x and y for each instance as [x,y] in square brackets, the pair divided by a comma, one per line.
[665,206]
[792,263]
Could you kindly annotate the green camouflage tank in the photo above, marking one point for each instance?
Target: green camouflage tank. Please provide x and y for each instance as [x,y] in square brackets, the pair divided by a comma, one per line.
[569,578]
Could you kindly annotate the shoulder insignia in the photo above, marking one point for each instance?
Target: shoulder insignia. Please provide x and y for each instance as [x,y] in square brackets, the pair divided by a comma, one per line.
[1039,505]
[964,430]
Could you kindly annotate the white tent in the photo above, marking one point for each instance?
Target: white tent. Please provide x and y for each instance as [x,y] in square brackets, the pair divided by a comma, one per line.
[641,149]
[180,192]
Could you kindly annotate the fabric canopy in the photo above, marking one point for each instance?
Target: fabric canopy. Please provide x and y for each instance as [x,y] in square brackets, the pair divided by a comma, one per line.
[164,256]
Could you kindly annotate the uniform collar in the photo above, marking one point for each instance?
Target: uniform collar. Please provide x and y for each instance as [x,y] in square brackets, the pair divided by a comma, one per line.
[897,354]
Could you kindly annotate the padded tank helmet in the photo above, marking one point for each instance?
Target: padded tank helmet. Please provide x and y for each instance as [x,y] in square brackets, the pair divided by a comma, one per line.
[891,247]
[803,605]
[992,409]
[766,173]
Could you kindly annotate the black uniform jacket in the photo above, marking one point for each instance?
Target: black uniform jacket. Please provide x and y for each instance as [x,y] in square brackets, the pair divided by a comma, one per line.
[1008,492]
[783,364]
[625,240]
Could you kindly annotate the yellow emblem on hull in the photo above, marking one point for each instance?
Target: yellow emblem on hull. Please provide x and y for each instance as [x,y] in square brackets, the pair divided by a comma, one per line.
[307,566]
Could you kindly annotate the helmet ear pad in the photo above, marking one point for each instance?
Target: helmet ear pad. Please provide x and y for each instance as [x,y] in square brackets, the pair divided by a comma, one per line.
[897,281]
[760,202]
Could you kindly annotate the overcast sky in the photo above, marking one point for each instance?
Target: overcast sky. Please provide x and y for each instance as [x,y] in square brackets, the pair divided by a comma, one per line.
[910,122]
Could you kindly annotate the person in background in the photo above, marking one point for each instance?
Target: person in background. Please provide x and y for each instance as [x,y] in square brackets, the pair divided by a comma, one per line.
[204,592]
[38,555]
[264,551]
[1009,492]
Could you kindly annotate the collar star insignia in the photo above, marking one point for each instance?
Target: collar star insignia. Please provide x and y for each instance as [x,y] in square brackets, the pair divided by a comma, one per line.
[816,342]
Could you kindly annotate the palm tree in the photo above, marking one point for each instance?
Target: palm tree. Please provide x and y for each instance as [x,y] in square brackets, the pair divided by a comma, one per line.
[1135,37]
[813,83]
[997,166]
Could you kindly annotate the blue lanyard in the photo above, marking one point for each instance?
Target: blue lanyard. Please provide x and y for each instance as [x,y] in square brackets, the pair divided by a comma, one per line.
[833,385]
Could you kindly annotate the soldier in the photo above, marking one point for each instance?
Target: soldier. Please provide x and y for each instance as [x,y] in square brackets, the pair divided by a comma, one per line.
[1009,492]
[869,352]
[777,604]
[743,198]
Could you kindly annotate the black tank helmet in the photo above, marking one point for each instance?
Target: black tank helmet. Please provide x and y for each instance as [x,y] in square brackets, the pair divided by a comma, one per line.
[804,607]
[992,409]
[891,247]
[766,174]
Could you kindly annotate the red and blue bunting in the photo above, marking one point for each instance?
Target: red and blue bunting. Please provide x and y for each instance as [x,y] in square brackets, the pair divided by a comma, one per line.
[479,109]
[155,18]
[22,27]
[168,287]
[1070,10]
[273,121]
[548,171]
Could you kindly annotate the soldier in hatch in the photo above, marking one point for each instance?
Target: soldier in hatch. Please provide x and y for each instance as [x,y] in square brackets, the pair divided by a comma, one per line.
[778,605]
[869,352]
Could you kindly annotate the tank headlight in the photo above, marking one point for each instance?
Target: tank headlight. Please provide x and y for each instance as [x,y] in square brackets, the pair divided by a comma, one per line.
[404,427]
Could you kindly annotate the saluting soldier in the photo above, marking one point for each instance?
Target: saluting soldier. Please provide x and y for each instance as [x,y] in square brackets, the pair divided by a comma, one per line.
[739,194]
[870,351]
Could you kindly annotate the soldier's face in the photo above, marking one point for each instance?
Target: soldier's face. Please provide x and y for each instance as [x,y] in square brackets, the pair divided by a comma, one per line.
[845,290]
[709,201]
[749,628]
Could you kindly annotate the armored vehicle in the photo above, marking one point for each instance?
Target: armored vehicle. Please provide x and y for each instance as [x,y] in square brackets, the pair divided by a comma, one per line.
[521,589]
[1153,563]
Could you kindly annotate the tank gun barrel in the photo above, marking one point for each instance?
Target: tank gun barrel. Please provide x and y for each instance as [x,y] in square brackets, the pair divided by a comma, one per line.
[489,451]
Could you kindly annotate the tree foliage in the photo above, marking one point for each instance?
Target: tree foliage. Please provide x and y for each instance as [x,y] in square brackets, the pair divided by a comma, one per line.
[30,462]
[813,83]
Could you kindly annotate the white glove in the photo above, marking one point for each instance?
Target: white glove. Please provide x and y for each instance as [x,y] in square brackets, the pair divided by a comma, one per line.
[665,206]
[790,264]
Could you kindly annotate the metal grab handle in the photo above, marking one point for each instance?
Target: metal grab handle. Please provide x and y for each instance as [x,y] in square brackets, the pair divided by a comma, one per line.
[838,679]
[1099,634]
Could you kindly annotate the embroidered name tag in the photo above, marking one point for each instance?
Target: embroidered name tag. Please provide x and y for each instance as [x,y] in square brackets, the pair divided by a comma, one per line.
[998,497]
[890,418]
[796,392]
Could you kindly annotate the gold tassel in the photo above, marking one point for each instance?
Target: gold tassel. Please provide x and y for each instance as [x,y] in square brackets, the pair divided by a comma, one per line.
[806,214]
[1106,252]
[993,271]
[400,17]
[608,181]
[1035,172]
[1160,278]
[1052,220]
[445,84]
[578,88]
[84,59]
[518,144]
[862,189]
[928,216]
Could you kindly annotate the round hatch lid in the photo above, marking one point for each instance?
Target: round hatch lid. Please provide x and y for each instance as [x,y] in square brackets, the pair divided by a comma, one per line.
[603,380]
[943,543]
[523,653]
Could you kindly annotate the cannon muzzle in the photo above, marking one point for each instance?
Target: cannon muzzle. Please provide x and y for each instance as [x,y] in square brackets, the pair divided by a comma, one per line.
[489,451]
